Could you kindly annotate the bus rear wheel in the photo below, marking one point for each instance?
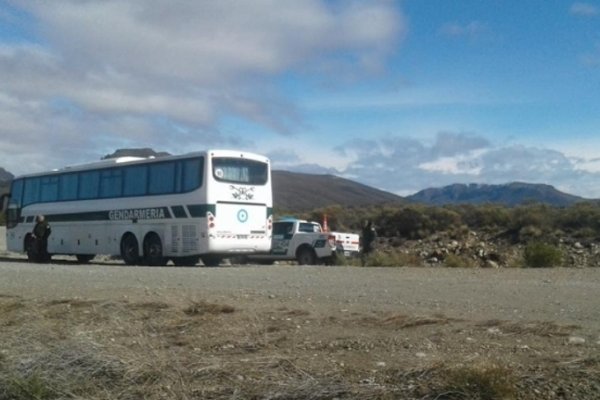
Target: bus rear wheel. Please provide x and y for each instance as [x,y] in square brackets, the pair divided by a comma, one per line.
[153,251]
[130,249]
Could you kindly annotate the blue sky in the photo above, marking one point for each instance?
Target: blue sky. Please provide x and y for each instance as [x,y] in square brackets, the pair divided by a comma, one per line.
[399,95]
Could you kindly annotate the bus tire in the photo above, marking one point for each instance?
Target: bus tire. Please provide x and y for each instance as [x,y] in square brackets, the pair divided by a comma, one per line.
[306,256]
[153,251]
[84,258]
[130,249]
[188,261]
[211,261]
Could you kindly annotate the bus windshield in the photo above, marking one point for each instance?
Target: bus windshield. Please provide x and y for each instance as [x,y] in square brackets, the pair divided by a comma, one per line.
[236,170]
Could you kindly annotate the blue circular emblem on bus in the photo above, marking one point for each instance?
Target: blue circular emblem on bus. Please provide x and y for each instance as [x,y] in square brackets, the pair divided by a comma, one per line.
[242,215]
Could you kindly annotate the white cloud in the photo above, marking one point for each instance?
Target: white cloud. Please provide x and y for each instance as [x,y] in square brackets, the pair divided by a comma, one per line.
[470,30]
[408,165]
[584,9]
[160,74]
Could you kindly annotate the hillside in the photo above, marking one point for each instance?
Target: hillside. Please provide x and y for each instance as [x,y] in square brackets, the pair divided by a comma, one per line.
[510,194]
[293,191]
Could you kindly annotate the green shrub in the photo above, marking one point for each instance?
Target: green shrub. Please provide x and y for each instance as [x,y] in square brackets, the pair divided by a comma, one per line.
[459,261]
[390,258]
[539,255]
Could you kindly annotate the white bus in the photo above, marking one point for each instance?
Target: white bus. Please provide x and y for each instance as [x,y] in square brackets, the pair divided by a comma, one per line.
[205,205]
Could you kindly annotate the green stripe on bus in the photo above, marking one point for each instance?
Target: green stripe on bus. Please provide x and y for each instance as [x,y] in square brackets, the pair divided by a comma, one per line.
[200,210]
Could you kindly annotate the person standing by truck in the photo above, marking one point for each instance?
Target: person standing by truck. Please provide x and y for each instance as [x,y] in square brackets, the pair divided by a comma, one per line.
[368,236]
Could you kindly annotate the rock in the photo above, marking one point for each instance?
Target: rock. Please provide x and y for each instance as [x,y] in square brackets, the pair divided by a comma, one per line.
[491,264]
[576,340]
[578,245]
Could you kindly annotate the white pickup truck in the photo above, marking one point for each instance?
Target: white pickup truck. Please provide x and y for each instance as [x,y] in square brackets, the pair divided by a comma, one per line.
[305,242]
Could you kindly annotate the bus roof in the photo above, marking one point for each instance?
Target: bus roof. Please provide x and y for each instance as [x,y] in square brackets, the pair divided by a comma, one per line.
[127,160]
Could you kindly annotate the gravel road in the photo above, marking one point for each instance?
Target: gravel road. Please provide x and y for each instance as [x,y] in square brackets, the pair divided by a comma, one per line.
[565,296]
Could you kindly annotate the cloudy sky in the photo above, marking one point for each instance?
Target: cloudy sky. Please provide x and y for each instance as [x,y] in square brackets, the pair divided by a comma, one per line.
[399,95]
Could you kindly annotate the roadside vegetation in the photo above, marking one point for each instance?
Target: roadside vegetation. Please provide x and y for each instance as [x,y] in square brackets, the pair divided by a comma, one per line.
[531,235]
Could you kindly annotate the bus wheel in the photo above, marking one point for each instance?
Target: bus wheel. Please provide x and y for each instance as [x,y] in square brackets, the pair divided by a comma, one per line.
[129,249]
[153,251]
[306,256]
[84,258]
[211,261]
[189,261]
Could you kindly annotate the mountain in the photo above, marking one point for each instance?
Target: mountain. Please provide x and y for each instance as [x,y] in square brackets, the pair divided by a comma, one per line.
[5,176]
[510,194]
[294,191]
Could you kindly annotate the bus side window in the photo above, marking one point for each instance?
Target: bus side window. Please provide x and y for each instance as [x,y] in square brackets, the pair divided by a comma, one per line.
[68,187]
[32,191]
[192,174]
[49,188]
[135,180]
[162,178]
[16,193]
[88,185]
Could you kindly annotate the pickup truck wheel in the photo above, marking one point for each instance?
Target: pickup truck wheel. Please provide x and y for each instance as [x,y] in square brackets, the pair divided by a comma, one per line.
[306,256]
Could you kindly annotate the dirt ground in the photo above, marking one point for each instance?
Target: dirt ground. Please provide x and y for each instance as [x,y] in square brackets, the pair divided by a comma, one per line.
[105,331]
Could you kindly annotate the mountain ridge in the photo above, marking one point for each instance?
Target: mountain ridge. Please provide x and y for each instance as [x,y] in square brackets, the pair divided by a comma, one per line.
[300,192]
[509,194]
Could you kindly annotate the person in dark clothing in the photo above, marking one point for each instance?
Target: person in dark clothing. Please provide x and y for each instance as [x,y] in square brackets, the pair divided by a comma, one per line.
[368,237]
[40,234]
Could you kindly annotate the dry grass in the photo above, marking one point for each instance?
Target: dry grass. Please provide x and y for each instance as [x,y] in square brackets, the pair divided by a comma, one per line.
[538,328]
[97,350]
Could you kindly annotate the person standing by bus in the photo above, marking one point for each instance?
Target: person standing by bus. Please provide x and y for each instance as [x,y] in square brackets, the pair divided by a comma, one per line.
[41,231]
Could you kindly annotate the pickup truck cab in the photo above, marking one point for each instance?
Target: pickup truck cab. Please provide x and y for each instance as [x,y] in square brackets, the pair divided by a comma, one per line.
[299,240]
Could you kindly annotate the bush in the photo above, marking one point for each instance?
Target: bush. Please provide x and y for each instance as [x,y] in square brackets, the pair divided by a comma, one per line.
[539,255]
[390,258]
[458,261]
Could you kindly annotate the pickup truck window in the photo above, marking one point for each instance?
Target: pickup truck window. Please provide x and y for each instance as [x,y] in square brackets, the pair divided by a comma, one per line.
[308,227]
[283,228]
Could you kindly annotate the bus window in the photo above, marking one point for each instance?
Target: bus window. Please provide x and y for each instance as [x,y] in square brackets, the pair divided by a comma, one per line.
[32,191]
[192,174]
[68,187]
[49,188]
[135,180]
[88,184]
[162,178]
[16,192]
[111,183]
[237,170]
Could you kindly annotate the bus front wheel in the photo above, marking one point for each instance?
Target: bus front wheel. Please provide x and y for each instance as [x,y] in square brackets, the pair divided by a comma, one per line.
[153,251]
[130,249]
